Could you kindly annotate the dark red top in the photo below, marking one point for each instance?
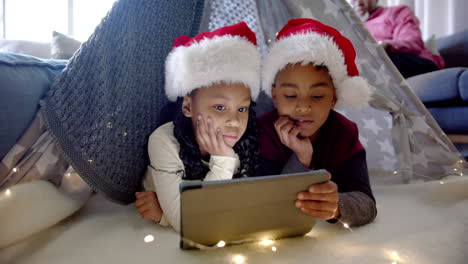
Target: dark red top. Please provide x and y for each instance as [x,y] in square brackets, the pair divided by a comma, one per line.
[336,149]
[337,142]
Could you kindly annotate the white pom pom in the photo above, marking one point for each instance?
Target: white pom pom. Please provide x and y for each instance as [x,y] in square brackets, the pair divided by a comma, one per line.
[353,92]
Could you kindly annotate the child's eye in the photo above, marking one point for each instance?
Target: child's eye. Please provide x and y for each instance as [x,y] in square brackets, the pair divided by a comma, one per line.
[243,109]
[318,97]
[289,96]
[219,107]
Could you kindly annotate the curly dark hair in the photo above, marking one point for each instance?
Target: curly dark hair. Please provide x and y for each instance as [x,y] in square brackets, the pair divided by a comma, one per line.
[247,147]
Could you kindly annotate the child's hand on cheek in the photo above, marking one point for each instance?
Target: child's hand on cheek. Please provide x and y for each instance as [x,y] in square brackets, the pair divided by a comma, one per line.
[288,133]
[211,140]
[320,201]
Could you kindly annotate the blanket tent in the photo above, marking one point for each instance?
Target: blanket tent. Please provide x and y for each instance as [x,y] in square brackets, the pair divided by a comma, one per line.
[412,163]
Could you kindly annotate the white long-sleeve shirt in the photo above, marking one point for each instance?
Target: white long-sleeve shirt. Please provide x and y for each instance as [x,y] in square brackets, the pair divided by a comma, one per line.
[166,169]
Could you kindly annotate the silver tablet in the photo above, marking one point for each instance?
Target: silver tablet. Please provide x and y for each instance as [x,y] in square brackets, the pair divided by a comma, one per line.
[243,210]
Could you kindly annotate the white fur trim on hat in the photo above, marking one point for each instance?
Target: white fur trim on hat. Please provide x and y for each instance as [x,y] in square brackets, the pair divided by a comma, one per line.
[222,58]
[318,49]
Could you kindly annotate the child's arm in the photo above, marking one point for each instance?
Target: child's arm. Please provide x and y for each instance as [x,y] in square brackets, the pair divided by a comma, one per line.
[164,176]
[355,203]
[167,169]
[223,160]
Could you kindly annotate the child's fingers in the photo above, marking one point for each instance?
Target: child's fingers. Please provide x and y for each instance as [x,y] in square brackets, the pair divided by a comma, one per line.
[147,215]
[139,202]
[144,194]
[219,137]
[326,187]
[282,120]
[317,206]
[295,131]
[141,211]
[144,207]
[284,131]
[200,132]
[328,197]
[211,133]
[278,125]
[324,215]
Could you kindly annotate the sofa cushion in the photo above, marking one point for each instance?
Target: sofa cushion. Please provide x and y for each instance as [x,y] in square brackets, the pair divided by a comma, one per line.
[463,85]
[454,49]
[441,86]
[24,80]
[451,119]
[33,48]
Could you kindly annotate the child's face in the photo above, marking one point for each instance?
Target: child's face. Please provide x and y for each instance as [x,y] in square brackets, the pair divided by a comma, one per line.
[305,95]
[227,105]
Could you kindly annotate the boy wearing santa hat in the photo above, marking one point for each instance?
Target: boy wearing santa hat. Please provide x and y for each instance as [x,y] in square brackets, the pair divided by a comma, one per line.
[309,71]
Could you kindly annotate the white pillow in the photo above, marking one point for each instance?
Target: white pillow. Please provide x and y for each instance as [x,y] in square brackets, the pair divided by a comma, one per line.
[430,44]
[36,49]
[62,46]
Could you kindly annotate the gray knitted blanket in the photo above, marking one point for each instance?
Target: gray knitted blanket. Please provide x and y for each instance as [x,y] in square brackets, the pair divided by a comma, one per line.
[106,103]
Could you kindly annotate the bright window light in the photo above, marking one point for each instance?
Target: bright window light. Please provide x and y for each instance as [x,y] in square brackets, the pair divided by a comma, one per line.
[35,20]
[87,16]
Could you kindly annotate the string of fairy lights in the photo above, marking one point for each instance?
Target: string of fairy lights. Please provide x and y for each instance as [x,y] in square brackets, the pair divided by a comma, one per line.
[241,259]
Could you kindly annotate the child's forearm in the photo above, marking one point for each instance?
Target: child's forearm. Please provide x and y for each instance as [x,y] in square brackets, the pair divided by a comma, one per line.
[356,208]
[222,168]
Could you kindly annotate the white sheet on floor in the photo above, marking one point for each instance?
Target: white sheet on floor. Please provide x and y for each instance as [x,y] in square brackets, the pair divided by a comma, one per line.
[419,223]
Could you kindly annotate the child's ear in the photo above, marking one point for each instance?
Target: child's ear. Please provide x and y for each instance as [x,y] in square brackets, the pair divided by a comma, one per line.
[187,106]
[273,95]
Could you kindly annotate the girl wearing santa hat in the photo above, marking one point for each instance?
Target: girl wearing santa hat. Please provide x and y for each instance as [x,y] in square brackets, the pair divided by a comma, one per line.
[213,77]
[310,71]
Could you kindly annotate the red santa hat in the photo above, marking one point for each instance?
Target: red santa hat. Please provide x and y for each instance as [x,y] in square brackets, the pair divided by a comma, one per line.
[227,54]
[309,41]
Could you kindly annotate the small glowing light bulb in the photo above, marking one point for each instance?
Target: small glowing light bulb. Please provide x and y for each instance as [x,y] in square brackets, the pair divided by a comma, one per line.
[238,259]
[395,172]
[395,256]
[441,182]
[455,169]
[266,242]
[7,192]
[149,238]
[345,225]
[221,244]
[273,249]
[15,169]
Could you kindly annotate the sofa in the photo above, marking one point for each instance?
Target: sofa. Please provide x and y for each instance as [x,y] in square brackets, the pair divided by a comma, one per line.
[24,80]
[445,92]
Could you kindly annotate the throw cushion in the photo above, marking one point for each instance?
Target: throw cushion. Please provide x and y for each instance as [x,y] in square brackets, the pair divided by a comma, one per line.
[63,47]
[432,45]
